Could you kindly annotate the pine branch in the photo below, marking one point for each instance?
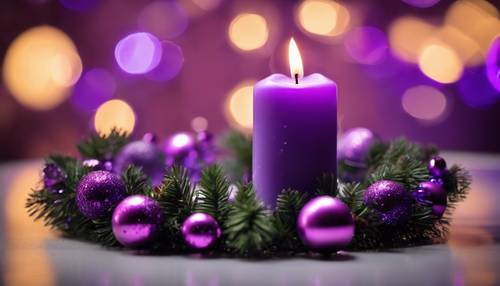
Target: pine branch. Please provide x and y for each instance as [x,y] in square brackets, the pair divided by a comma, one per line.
[249,229]
[239,147]
[214,193]
[103,147]
[57,207]
[137,182]
[288,206]
[327,185]
[176,197]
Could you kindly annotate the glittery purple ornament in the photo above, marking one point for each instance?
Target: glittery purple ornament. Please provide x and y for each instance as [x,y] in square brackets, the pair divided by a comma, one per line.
[98,192]
[390,200]
[325,224]
[354,145]
[136,221]
[145,155]
[52,175]
[437,166]
[432,195]
[200,231]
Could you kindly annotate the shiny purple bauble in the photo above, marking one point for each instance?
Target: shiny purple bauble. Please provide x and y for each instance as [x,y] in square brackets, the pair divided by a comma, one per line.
[178,146]
[354,145]
[437,166]
[433,195]
[200,231]
[390,200]
[98,192]
[145,155]
[136,221]
[325,224]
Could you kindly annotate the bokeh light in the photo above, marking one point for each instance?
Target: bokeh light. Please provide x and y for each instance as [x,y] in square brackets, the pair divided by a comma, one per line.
[475,89]
[424,103]
[366,45]
[165,19]
[239,106]
[138,53]
[199,124]
[323,17]
[478,19]
[493,64]
[466,48]
[421,3]
[95,87]
[248,31]
[407,36]
[440,63]
[40,66]
[170,64]
[79,5]
[114,113]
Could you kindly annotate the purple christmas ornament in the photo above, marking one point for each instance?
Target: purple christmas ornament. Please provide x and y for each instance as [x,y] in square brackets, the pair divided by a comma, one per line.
[352,152]
[354,145]
[437,167]
[200,231]
[97,192]
[136,221]
[145,155]
[325,224]
[52,175]
[178,146]
[433,195]
[390,200]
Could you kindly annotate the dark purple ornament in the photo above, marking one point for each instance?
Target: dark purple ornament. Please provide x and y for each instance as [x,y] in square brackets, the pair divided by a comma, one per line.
[200,231]
[136,221]
[398,214]
[390,200]
[437,167]
[432,195]
[52,175]
[325,224]
[145,155]
[98,192]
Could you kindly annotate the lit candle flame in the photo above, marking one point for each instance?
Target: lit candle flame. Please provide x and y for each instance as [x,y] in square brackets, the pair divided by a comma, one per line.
[296,69]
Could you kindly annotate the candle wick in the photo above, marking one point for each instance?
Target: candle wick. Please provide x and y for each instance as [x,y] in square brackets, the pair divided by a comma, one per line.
[296,78]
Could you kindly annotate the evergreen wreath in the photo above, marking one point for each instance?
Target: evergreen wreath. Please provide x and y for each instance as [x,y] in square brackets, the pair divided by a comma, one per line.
[249,228]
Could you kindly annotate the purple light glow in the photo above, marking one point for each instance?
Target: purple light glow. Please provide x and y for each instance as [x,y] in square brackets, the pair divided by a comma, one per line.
[138,53]
[367,45]
[493,63]
[79,5]
[94,88]
[165,19]
[476,90]
[421,3]
[170,63]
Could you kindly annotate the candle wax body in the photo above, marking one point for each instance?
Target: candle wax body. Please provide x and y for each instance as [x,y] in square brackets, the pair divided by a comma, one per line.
[294,134]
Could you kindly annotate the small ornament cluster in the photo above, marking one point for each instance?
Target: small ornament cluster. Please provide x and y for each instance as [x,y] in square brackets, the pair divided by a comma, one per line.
[178,198]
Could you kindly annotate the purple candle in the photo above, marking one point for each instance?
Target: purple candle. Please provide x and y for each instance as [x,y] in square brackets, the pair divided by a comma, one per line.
[294,130]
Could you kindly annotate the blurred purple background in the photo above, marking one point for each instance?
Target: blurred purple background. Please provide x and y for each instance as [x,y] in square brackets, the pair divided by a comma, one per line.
[427,70]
